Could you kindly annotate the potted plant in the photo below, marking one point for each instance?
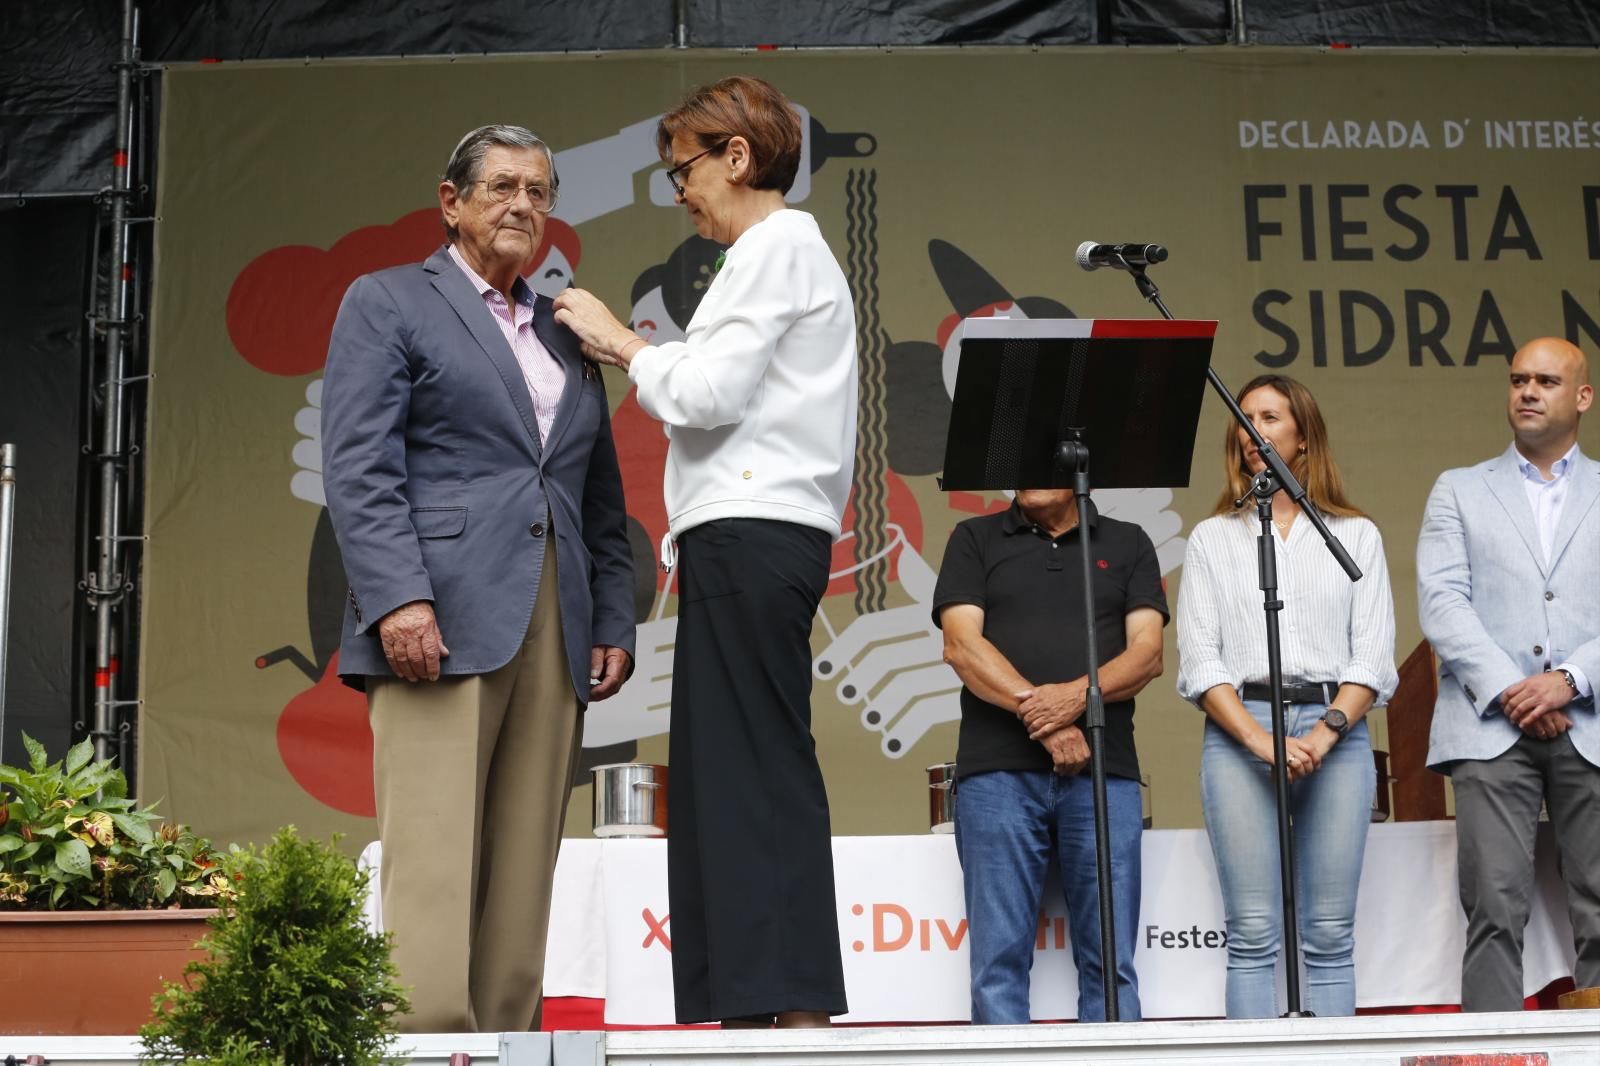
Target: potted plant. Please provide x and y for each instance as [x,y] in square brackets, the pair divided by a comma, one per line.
[294,976]
[99,899]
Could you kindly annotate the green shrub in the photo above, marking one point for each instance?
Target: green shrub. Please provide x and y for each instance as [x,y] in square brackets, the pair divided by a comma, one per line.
[294,977]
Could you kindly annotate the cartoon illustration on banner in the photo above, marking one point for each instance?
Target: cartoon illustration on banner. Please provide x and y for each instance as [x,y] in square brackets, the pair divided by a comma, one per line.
[881,658]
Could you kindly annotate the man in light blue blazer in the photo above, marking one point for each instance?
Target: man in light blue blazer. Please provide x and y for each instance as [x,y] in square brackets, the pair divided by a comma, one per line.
[1508,587]
[474,489]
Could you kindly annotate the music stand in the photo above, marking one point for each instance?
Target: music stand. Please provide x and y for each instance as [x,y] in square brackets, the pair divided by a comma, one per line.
[1033,399]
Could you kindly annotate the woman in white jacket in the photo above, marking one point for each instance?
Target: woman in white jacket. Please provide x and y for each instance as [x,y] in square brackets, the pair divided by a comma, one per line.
[759,402]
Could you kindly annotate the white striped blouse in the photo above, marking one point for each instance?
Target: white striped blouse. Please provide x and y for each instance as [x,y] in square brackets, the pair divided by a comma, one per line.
[1331,629]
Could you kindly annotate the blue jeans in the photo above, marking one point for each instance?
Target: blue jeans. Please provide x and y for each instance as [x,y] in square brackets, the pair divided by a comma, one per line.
[1330,812]
[1009,824]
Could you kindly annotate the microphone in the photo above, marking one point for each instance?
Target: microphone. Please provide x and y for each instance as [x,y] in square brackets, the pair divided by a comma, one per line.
[1092,256]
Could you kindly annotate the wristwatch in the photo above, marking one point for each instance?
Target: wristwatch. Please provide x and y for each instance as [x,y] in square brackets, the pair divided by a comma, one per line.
[1336,720]
[1567,675]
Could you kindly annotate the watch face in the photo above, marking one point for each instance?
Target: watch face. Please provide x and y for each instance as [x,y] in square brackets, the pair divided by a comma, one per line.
[1336,720]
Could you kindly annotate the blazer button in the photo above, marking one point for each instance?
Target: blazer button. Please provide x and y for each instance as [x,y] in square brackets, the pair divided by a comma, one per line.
[537,529]
[1538,649]
[1548,595]
[748,475]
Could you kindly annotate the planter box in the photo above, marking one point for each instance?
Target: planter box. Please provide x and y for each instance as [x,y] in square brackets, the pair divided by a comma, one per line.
[90,973]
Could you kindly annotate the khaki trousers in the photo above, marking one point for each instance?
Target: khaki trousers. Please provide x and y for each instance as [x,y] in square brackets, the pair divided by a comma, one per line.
[472,777]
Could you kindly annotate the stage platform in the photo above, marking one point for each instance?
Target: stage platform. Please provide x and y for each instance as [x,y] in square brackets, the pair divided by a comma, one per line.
[1532,1038]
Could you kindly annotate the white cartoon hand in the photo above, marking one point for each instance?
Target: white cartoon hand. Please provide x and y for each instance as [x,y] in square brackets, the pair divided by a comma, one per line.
[891,663]
[1147,508]
[306,484]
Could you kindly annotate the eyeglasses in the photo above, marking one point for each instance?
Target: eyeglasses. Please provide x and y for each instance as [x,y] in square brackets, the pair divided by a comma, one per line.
[683,167]
[503,190]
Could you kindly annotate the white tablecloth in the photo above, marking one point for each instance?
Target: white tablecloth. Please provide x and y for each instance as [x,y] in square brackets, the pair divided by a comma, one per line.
[903,928]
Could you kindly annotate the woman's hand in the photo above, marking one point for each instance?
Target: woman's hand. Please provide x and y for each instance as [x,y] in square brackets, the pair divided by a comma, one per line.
[1303,757]
[603,338]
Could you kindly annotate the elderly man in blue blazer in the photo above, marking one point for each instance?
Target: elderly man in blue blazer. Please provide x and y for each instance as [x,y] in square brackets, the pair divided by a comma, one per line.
[474,489]
[1508,586]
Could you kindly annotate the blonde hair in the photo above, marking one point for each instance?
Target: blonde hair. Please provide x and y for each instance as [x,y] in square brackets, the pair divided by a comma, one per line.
[1314,466]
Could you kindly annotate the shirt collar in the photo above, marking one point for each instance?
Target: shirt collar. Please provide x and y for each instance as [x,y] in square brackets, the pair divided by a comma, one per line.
[1558,469]
[519,288]
[1017,522]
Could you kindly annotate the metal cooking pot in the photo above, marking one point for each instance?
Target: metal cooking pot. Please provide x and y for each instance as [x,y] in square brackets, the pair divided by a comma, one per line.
[942,798]
[630,800]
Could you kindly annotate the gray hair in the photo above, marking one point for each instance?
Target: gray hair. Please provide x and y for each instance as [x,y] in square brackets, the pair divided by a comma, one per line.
[465,168]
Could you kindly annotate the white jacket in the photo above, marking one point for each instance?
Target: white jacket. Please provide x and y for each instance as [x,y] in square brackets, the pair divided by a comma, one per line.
[760,399]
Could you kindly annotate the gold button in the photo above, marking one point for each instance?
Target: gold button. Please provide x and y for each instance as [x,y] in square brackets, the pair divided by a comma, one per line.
[748,475]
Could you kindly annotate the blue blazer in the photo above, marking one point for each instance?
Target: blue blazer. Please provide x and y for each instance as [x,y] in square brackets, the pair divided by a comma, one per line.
[440,490]
[1496,611]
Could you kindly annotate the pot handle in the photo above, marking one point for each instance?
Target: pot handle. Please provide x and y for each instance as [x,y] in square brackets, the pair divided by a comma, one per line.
[647,784]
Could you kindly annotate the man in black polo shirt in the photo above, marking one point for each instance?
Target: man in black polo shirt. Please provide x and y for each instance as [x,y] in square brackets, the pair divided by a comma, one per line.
[1010,602]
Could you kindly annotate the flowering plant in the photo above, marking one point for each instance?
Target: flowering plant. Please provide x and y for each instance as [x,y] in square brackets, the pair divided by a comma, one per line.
[71,839]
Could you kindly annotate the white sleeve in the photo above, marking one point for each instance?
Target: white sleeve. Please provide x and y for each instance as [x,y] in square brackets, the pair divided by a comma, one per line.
[709,379]
[1200,662]
[1371,632]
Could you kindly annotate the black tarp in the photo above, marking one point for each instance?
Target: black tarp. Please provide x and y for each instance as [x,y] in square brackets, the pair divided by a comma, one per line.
[57,91]
[43,252]
[58,95]
[1494,23]
[183,30]
[910,23]
[743,23]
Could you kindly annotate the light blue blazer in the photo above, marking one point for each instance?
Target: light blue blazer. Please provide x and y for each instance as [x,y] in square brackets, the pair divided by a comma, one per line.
[1496,611]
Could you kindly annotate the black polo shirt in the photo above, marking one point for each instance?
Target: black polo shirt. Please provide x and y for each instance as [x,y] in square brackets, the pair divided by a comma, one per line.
[1030,587]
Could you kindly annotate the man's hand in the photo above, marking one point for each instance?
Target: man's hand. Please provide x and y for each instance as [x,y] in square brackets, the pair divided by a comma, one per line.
[1068,750]
[1048,708]
[608,668]
[412,642]
[1548,726]
[1533,697]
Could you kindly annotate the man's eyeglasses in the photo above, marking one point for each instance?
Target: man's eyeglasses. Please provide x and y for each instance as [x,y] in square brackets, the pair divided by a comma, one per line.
[683,167]
[504,190]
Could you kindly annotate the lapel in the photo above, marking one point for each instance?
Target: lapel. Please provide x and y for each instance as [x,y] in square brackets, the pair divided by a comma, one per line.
[1505,481]
[1582,490]
[563,346]
[459,292]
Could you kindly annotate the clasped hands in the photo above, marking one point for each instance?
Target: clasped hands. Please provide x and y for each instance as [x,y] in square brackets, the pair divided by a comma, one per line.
[414,647]
[1536,704]
[1049,713]
[1304,754]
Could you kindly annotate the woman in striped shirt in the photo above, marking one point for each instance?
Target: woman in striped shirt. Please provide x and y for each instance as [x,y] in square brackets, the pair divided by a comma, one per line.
[1338,661]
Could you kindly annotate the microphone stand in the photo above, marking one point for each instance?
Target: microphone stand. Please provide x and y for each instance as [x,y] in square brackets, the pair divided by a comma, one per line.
[1263,487]
[1073,454]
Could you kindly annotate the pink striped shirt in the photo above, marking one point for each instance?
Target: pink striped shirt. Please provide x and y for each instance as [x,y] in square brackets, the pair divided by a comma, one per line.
[544,376]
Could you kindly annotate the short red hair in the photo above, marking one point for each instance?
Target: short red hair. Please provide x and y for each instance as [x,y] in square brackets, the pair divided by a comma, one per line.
[740,106]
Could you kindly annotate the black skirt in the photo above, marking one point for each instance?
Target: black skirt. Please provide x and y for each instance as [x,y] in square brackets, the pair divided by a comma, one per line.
[755,928]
